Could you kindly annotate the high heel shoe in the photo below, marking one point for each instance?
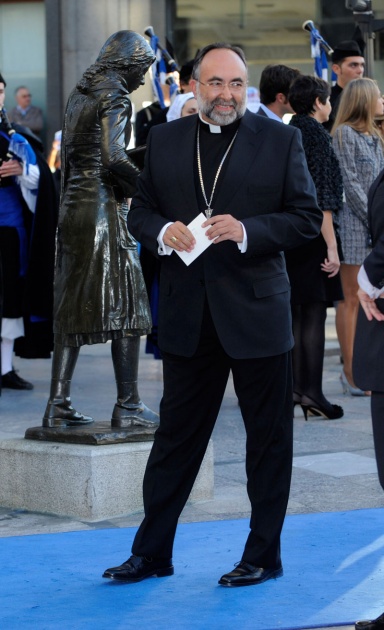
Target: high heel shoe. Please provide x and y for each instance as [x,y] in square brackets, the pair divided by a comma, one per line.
[349,389]
[297,401]
[328,411]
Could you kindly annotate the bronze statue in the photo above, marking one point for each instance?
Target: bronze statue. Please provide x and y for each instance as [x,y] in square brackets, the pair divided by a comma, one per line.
[99,291]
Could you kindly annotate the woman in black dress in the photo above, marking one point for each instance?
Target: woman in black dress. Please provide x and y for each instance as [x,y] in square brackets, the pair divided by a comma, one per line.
[313,268]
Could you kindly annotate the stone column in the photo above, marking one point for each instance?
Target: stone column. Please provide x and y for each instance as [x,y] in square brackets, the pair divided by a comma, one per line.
[75,33]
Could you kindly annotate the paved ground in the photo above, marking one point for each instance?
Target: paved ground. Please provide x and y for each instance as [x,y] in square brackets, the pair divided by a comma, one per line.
[334,465]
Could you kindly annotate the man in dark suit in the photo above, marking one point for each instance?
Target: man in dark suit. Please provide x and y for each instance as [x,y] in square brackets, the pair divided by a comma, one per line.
[229,310]
[368,350]
[348,64]
[274,85]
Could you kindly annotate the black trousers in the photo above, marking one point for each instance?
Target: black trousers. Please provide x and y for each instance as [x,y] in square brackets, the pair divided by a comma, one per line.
[193,391]
[377,411]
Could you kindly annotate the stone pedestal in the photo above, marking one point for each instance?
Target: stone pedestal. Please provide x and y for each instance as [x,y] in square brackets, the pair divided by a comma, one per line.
[86,482]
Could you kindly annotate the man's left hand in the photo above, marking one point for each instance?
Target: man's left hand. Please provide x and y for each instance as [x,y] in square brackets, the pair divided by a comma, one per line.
[369,306]
[224,227]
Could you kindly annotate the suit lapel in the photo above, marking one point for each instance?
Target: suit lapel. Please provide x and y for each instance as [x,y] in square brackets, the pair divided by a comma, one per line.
[185,167]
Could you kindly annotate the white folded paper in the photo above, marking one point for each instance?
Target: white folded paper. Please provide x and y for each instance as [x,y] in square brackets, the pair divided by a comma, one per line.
[202,241]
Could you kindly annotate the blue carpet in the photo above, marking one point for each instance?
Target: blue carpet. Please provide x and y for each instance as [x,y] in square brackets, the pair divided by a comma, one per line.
[333,564]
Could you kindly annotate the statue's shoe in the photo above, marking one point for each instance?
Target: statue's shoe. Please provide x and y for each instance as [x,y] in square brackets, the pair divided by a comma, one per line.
[139,415]
[64,415]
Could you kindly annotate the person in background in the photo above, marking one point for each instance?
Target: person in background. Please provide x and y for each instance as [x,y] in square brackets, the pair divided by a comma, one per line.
[154,114]
[28,216]
[54,162]
[348,64]
[185,76]
[183,105]
[54,158]
[379,122]
[274,85]
[229,310]
[313,269]
[26,114]
[359,148]
[253,99]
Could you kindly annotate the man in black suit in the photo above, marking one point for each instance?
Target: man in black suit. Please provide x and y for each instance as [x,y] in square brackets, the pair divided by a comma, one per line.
[369,342]
[369,339]
[368,349]
[229,310]
[348,64]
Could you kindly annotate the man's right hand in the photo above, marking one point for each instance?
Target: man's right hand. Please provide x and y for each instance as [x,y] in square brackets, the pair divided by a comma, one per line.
[179,237]
[11,168]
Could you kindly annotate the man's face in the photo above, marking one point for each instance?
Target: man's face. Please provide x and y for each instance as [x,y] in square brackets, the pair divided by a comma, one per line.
[2,94]
[221,90]
[348,69]
[23,98]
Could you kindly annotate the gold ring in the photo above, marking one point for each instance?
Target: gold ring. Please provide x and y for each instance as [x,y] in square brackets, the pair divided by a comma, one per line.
[173,239]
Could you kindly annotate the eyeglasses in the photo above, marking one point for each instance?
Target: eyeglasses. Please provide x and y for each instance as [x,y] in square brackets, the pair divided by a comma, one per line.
[219,86]
[26,95]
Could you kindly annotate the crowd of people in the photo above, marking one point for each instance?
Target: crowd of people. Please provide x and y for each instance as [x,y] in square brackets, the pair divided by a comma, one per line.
[281,248]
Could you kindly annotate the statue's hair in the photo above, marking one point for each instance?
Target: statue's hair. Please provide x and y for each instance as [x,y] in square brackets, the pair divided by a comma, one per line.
[123,51]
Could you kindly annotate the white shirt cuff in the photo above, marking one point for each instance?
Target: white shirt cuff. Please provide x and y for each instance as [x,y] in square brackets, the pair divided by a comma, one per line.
[365,284]
[163,249]
[243,246]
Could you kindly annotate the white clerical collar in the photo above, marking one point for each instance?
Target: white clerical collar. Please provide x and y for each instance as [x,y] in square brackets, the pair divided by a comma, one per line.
[212,128]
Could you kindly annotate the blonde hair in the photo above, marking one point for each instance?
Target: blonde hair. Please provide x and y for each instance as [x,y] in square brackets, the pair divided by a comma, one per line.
[357,106]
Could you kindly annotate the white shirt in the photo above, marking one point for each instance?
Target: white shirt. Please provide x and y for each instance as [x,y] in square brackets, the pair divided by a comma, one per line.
[270,114]
[365,284]
[29,184]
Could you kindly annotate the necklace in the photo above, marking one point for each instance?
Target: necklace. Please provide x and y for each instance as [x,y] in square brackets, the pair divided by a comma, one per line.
[208,211]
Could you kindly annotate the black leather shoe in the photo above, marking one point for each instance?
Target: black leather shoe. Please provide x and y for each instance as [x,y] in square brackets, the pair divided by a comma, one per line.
[137,568]
[11,380]
[373,624]
[245,574]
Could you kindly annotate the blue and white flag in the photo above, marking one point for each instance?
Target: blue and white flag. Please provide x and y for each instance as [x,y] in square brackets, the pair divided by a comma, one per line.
[159,73]
[319,55]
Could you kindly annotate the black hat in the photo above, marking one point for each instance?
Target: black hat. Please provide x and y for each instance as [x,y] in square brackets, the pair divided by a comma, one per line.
[2,80]
[345,49]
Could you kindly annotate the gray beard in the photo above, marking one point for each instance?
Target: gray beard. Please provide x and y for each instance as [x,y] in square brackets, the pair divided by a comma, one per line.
[208,109]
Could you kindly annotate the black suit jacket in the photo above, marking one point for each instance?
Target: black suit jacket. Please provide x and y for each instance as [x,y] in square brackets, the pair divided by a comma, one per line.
[267,186]
[368,355]
[374,263]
